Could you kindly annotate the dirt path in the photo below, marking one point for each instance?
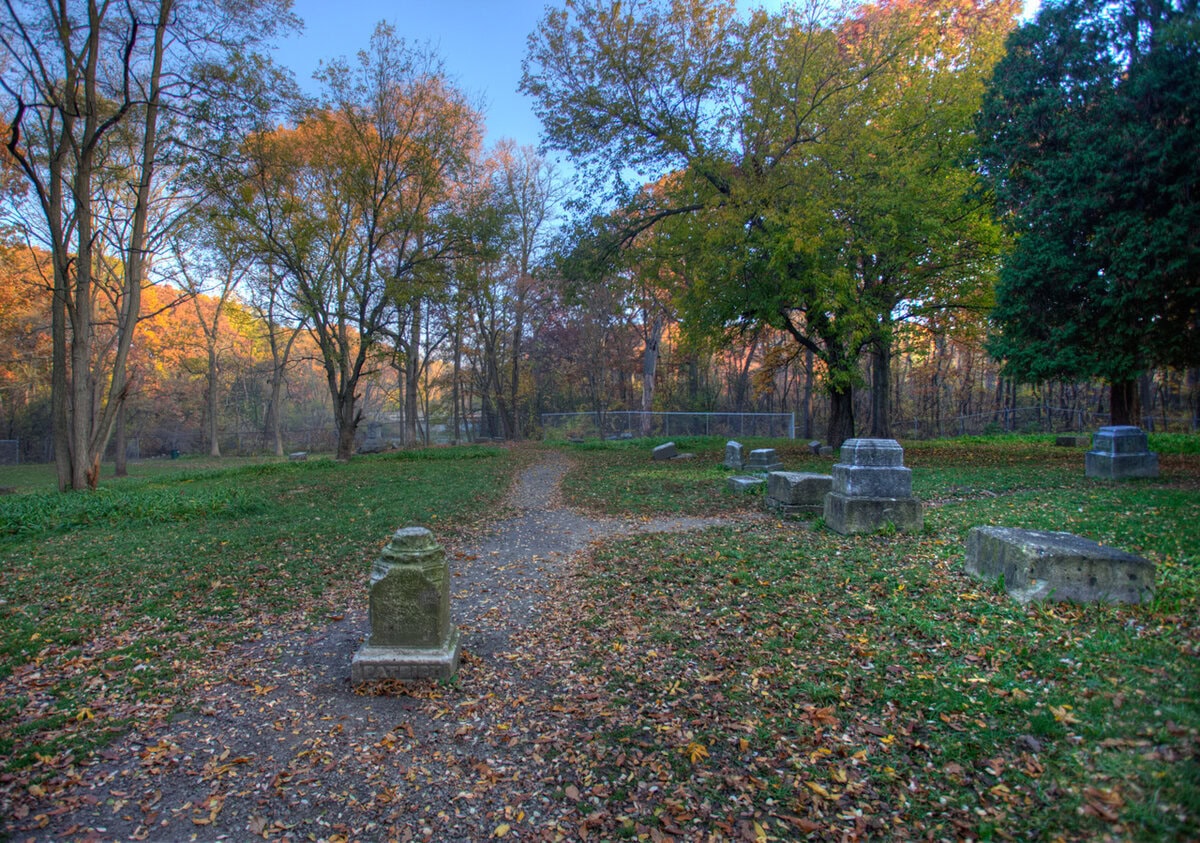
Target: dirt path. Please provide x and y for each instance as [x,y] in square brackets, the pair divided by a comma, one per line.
[281,747]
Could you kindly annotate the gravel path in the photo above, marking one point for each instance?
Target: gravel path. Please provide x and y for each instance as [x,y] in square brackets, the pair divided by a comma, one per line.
[279,746]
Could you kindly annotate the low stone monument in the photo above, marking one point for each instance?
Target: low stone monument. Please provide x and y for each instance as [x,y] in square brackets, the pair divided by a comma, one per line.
[1072,440]
[409,612]
[815,447]
[1039,565]
[735,456]
[666,451]
[743,485]
[298,456]
[871,489]
[763,460]
[1120,452]
[826,451]
[793,492]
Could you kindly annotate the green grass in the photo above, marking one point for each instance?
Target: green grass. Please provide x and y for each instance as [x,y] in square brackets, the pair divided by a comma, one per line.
[114,589]
[824,674]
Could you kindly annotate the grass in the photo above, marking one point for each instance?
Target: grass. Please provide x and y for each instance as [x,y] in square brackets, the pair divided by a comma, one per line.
[108,594]
[810,682]
[868,684]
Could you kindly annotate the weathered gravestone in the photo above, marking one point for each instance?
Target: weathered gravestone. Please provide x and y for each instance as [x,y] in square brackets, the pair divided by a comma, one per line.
[743,485]
[763,460]
[871,489]
[735,455]
[411,635]
[1040,565]
[1072,440]
[815,447]
[1120,452]
[298,456]
[374,441]
[666,451]
[792,492]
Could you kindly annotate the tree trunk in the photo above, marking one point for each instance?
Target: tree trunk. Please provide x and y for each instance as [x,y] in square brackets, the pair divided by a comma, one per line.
[808,393]
[841,416]
[214,444]
[649,371]
[412,372]
[1124,406]
[881,383]
[121,435]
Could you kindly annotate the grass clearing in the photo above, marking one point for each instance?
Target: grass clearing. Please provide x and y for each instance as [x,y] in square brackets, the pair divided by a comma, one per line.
[867,685]
[111,603]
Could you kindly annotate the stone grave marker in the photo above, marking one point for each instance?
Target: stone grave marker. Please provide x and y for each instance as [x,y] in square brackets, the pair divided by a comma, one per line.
[1041,565]
[871,489]
[1120,452]
[666,451]
[298,456]
[1072,440]
[794,492]
[735,455]
[744,485]
[764,461]
[411,636]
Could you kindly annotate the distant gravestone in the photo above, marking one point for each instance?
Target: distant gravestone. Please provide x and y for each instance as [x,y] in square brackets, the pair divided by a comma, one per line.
[735,456]
[871,489]
[1039,565]
[298,456]
[1072,440]
[793,492]
[1120,452]
[826,451]
[743,485]
[763,460]
[815,447]
[666,451]
[411,635]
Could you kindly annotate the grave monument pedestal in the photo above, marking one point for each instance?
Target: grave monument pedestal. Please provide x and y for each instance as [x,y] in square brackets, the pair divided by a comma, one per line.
[411,635]
[1120,452]
[871,489]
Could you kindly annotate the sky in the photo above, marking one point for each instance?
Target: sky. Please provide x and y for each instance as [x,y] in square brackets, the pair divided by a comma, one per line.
[481,42]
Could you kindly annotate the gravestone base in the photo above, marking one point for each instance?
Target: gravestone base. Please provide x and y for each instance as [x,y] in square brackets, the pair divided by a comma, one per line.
[1042,565]
[848,514]
[1120,466]
[1072,440]
[763,460]
[372,663]
[744,485]
[796,493]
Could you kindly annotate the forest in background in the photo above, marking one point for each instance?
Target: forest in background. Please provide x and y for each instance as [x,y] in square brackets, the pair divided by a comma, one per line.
[843,213]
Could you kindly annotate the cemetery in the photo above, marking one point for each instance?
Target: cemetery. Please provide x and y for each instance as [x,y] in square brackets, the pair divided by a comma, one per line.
[684,422]
[349,638]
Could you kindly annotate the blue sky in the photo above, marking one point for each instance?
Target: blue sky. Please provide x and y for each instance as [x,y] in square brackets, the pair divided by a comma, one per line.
[481,42]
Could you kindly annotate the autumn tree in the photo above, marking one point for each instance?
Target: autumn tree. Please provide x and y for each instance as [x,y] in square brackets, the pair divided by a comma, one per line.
[760,119]
[85,81]
[345,208]
[1090,143]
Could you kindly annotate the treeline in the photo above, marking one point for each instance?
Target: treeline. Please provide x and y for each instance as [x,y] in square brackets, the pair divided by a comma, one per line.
[846,212]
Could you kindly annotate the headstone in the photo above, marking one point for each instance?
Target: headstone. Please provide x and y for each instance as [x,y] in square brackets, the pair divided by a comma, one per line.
[411,635]
[1120,452]
[735,456]
[763,460]
[743,485]
[1038,565]
[298,456]
[792,492]
[374,441]
[815,447]
[871,489]
[826,451]
[666,451]
[1072,440]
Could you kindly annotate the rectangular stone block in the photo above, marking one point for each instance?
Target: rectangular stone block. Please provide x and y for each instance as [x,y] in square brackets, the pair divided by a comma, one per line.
[1072,441]
[666,451]
[735,455]
[1120,439]
[1042,565]
[872,452]
[764,460]
[846,515]
[797,488]
[744,485]
[872,481]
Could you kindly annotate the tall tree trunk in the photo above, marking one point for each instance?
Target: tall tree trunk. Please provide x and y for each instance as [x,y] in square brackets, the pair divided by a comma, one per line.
[650,370]
[120,468]
[808,393]
[214,444]
[1124,406]
[412,379]
[881,383]
[841,416]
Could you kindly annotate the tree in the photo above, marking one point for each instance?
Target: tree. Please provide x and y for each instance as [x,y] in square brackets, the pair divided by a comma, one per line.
[86,81]
[787,135]
[1090,143]
[344,207]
